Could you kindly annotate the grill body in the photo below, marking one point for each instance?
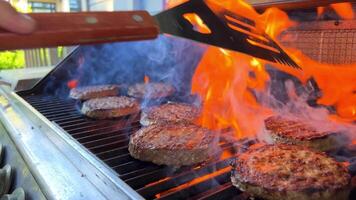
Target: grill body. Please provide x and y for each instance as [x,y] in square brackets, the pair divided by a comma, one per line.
[94,152]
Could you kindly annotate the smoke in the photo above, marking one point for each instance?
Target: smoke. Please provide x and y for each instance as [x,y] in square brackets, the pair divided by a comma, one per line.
[292,100]
[166,59]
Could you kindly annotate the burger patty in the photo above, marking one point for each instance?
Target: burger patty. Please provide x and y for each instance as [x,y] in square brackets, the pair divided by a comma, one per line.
[151,90]
[173,144]
[91,92]
[292,131]
[110,107]
[290,172]
[170,112]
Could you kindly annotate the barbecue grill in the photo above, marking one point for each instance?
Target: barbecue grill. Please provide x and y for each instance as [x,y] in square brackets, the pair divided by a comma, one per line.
[74,157]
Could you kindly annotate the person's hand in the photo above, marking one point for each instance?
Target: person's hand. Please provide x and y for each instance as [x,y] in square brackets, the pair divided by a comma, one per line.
[14,21]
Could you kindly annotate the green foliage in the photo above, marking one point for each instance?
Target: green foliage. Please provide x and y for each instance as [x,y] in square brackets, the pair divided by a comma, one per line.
[12,59]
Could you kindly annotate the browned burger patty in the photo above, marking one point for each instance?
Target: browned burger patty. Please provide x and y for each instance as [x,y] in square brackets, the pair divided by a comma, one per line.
[110,107]
[291,131]
[151,90]
[91,92]
[174,144]
[170,112]
[290,172]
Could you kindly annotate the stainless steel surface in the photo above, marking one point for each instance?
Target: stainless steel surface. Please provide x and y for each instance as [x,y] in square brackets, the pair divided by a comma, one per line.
[22,177]
[61,167]
[332,42]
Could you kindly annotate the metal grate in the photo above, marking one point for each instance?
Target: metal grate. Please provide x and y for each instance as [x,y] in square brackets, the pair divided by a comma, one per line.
[108,140]
[330,42]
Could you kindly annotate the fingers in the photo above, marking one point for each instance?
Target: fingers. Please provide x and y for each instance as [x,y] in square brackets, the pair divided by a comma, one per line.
[14,21]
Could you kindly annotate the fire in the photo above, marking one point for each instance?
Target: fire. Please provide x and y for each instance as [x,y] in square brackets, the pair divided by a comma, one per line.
[344,10]
[195,181]
[225,89]
[72,84]
[146,79]
[197,23]
[229,82]
[173,3]
[320,11]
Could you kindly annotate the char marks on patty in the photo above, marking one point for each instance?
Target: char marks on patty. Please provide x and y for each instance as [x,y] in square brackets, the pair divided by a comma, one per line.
[151,90]
[174,144]
[296,131]
[110,107]
[289,172]
[170,112]
[91,92]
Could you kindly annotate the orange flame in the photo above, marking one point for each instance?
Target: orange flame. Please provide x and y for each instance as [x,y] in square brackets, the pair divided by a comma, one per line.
[173,3]
[225,80]
[197,23]
[72,84]
[195,181]
[146,79]
[344,10]
[320,11]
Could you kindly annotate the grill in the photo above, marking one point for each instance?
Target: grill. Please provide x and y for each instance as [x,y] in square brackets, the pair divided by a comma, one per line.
[108,140]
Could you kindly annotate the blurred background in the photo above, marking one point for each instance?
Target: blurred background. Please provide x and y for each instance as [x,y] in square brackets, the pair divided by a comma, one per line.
[23,68]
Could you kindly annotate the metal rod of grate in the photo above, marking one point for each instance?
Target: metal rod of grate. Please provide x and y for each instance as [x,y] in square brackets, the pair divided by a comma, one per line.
[108,140]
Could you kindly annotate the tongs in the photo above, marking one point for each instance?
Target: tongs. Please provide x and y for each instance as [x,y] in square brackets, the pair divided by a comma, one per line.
[226,30]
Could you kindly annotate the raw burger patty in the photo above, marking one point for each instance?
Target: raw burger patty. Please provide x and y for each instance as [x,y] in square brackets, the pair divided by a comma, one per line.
[170,112]
[91,92]
[292,131]
[174,144]
[110,107]
[151,90]
[290,172]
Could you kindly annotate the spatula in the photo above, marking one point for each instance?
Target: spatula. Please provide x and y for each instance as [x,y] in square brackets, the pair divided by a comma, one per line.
[226,30]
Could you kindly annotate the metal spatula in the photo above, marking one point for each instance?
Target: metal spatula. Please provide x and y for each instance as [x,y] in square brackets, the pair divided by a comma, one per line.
[228,30]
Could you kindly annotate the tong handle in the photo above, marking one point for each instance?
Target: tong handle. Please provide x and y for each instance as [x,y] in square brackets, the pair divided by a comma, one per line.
[61,29]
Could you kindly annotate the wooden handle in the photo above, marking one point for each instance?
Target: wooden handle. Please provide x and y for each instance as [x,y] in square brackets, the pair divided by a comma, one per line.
[61,29]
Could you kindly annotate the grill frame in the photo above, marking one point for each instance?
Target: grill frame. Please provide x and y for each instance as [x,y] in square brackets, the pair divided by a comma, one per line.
[65,163]
[107,173]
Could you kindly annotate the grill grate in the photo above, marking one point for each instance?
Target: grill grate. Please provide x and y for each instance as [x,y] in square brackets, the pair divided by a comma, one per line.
[331,42]
[108,140]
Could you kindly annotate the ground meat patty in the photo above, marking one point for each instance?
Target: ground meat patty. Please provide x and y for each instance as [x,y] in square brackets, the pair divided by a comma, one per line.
[292,131]
[91,92]
[150,90]
[173,144]
[110,107]
[290,172]
[170,112]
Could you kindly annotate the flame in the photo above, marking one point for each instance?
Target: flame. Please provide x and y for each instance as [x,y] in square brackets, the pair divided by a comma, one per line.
[228,82]
[146,79]
[344,10]
[195,181]
[337,83]
[173,3]
[225,89]
[197,23]
[276,21]
[72,84]
[320,11]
